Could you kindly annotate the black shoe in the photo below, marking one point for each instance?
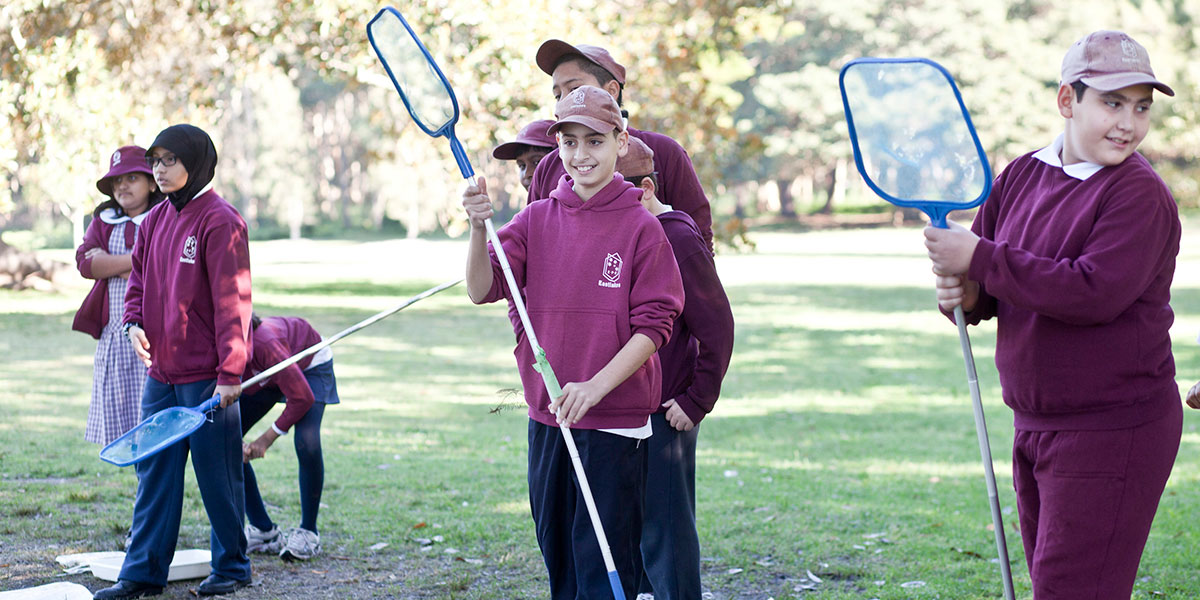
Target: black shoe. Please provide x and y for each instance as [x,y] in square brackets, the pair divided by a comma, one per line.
[219,585]
[128,589]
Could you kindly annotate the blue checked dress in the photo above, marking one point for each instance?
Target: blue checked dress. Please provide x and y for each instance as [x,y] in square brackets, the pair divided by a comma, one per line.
[119,374]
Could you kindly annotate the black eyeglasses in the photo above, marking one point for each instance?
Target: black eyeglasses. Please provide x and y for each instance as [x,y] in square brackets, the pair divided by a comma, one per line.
[167,161]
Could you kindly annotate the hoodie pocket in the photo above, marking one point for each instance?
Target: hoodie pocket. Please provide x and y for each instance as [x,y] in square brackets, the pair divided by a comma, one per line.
[578,342]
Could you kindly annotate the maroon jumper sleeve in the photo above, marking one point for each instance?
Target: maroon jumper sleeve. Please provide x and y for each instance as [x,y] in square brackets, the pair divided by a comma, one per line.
[228,261]
[135,290]
[709,319]
[93,238]
[656,293]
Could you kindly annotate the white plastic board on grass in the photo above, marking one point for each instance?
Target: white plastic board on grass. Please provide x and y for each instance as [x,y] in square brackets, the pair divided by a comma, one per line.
[187,564]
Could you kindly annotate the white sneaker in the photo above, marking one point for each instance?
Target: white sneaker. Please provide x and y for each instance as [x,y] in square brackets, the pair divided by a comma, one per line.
[644,596]
[302,544]
[263,541]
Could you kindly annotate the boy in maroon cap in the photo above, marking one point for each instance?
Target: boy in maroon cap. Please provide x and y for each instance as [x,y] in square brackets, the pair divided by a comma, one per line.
[603,290]
[694,362]
[530,147]
[1073,254]
[573,66]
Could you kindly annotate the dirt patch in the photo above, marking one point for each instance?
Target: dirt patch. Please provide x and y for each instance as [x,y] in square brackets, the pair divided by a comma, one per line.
[376,575]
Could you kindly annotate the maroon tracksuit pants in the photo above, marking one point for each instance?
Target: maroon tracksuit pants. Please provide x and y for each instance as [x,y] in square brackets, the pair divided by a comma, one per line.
[1086,500]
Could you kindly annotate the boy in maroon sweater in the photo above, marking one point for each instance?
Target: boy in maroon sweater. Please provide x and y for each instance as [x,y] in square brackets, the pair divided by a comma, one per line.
[187,314]
[572,66]
[694,362]
[1073,254]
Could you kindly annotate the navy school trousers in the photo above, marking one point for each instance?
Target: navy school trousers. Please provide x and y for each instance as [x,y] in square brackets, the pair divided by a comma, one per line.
[670,549]
[216,449]
[616,471]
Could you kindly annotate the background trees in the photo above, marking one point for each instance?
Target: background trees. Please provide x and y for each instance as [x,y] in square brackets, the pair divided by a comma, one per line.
[314,140]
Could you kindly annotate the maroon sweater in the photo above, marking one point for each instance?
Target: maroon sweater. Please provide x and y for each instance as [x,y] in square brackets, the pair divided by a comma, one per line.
[677,181]
[696,357]
[190,291]
[92,315]
[1078,276]
[275,340]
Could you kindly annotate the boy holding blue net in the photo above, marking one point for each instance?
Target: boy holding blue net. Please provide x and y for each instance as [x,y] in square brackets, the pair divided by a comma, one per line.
[603,290]
[1073,254]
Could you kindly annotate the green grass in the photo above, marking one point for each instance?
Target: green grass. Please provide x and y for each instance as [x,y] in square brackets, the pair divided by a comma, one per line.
[843,443]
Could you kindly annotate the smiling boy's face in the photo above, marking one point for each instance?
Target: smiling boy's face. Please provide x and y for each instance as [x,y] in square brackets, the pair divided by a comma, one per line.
[590,157]
[1104,127]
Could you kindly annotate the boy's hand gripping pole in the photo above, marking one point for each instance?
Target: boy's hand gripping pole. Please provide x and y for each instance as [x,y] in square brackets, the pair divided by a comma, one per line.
[542,365]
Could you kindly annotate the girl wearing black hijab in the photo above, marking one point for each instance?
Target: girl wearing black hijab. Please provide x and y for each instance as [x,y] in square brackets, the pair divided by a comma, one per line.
[187,314]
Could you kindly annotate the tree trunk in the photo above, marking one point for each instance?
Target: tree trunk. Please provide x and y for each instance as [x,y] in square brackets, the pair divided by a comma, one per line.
[787,204]
[835,192]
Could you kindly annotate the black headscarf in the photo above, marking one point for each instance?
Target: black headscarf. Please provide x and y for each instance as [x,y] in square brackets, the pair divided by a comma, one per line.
[196,151]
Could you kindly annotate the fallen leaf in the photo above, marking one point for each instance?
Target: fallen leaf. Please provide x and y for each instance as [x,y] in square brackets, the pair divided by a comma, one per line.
[912,584]
[439,539]
[731,473]
[419,525]
[450,551]
[734,571]
[814,578]
[966,552]
[423,541]
[379,546]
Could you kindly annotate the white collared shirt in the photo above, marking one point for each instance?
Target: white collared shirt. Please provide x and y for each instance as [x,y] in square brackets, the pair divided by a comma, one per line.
[109,215]
[1052,155]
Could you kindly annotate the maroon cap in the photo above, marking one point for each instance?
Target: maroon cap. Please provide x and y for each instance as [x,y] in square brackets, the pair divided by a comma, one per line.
[533,134]
[551,51]
[591,107]
[638,161]
[1110,60]
[127,159]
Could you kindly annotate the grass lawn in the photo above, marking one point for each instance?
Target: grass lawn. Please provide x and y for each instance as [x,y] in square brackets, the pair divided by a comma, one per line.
[842,449]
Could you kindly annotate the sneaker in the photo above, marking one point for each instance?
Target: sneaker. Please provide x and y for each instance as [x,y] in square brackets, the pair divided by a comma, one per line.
[263,541]
[645,596]
[302,544]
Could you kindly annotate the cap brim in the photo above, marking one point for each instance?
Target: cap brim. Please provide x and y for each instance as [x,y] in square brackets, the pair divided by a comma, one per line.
[597,125]
[1116,81]
[552,50]
[512,150]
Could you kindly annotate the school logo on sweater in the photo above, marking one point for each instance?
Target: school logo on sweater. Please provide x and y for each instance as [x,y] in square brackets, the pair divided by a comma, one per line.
[189,251]
[612,271]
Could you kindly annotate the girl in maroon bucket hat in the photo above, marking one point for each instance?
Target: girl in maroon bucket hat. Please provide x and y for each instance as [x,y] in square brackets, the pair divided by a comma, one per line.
[104,256]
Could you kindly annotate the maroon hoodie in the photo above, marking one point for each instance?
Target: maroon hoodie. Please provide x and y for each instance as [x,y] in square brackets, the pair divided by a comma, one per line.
[594,273]
[190,290]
